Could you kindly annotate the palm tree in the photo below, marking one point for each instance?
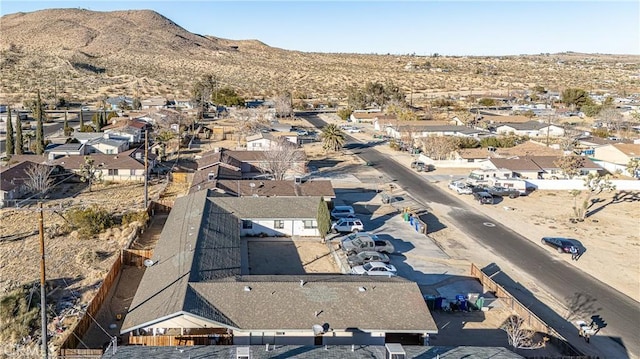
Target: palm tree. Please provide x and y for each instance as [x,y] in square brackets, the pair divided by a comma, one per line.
[332,137]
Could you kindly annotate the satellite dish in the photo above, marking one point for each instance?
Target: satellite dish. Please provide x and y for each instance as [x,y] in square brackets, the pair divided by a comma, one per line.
[317,329]
[148,262]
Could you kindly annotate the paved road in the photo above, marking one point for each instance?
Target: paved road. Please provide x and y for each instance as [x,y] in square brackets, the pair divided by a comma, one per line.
[621,313]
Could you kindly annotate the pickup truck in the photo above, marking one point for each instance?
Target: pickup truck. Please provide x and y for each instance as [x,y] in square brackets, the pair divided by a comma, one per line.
[361,241]
[503,192]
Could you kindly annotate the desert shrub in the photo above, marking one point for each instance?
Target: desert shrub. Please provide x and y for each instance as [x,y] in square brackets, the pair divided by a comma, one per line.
[19,314]
[601,132]
[87,257]
[130,217]
[345,113]
[89,221]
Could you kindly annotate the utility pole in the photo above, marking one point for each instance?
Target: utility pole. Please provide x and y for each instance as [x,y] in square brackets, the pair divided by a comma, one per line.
[146,168]
[548,123]
[43,290]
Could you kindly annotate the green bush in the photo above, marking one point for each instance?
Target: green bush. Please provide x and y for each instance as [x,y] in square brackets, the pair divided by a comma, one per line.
[130,217]
[89,221]
[19,314]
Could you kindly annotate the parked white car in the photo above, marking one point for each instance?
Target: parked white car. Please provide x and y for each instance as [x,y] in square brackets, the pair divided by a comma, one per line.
[342,212]
[375,268]
[346,225]
[460,187]
[353,130]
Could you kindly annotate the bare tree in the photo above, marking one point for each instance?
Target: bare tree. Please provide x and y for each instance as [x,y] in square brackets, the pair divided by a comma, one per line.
[570,165]
[611,117]
[282,157]
[251,120]
[39,179]
[518,336]
[438,147]
[283,105]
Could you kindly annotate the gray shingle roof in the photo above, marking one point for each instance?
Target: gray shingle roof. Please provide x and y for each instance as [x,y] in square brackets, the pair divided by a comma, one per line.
[271,207]
[200,242]
[310,352]
[197,271]
[285,305]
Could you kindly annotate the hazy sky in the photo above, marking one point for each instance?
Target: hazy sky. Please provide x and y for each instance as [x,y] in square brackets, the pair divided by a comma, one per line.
[420,27]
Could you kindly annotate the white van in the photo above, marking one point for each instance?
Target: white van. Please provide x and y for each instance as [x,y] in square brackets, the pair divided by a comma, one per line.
[342,212]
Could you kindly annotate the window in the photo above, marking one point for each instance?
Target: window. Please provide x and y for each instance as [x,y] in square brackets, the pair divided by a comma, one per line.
[113,172]
[246,224]
[109,152]
[132,172]
[278,224]
[310,224]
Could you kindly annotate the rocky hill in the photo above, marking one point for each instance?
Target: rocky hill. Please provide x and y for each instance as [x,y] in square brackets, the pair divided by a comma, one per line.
[85,55]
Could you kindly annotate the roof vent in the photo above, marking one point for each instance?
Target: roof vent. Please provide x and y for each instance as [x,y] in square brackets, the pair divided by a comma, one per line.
[247,288]
[362,289]
[301,283]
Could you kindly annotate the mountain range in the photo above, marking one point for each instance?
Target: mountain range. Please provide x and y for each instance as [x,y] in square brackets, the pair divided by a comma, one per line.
[83,54]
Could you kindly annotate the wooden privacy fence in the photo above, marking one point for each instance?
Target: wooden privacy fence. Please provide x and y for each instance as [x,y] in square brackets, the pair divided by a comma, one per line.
[135,257]
[530,319]
[81,327]
[173,340]
[126,257]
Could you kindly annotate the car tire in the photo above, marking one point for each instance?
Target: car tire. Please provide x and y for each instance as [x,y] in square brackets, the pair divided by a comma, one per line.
[560,250]
[543,241]
[512,196]
[334,231]
[355,230]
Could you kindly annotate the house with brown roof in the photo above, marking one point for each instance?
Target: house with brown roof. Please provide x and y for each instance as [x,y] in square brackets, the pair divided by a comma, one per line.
[196,283]
[615,156]
[13,178]
[233,165]
[269,188]
[118,168]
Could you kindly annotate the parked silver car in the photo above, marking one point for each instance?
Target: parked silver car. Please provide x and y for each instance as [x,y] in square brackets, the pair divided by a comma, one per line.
[347,224]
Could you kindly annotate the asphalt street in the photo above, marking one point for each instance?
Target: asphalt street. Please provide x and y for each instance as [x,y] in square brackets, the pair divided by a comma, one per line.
[620,312]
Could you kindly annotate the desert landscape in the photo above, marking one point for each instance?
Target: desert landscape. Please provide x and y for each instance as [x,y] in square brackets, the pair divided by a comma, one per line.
[81,58]
[84,57]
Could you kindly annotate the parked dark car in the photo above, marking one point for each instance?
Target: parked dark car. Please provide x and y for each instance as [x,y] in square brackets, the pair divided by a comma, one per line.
[361,258]
[483,197]
[562,245]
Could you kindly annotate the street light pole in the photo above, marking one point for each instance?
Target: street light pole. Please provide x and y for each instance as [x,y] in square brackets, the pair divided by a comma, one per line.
[43,298]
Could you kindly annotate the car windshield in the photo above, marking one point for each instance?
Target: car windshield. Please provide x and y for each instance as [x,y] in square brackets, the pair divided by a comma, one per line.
[367,266]
[358,242]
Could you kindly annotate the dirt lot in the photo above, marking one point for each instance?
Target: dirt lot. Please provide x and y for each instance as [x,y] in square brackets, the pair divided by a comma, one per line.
[283,257]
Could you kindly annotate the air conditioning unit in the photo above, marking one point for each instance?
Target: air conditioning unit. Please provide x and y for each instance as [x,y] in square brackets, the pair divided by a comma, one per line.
[243,353]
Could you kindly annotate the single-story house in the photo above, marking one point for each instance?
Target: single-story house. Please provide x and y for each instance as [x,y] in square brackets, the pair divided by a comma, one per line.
[401,131]
[118,102]
[539,167]
[260,141]
[386,351]
[68,149]
[183,103]
[530,128]
[196,282]
[271,188]
[13,178]
[12,182]
[108,146]
[85,137]
[119,167]
[615,157]
[153,103]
